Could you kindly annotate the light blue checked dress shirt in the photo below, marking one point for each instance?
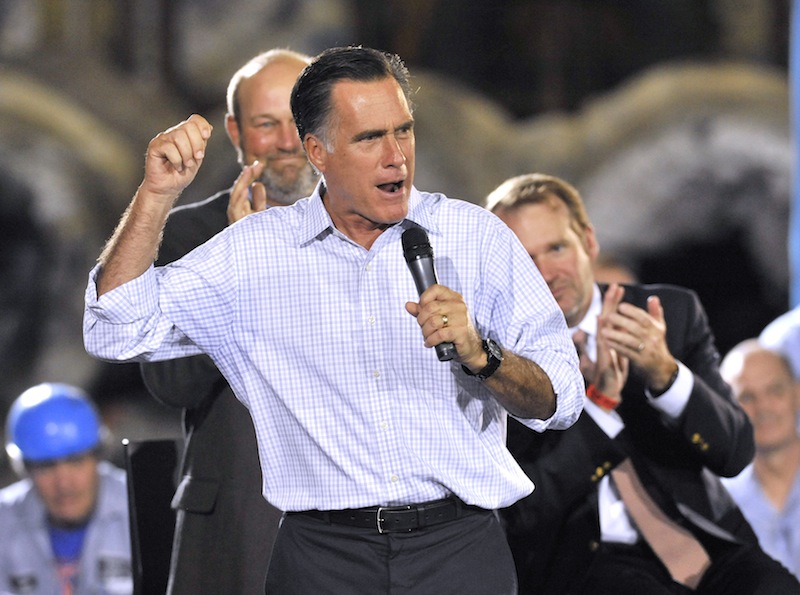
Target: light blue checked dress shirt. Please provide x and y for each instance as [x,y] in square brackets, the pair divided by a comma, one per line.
[310,330]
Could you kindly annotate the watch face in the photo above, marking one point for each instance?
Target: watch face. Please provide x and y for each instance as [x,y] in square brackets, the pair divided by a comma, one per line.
[494,356]
[493,349]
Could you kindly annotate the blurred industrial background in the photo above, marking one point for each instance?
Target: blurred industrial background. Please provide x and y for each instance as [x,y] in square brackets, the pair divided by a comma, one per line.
[671,118]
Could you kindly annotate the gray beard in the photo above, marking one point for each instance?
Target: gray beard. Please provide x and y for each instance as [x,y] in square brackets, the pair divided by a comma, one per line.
[287,193]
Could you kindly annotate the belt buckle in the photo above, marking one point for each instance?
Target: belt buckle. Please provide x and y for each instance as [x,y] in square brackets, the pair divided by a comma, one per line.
[379,521]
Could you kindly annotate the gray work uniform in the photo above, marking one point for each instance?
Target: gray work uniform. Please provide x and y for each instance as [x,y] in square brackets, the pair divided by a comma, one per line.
[26,558]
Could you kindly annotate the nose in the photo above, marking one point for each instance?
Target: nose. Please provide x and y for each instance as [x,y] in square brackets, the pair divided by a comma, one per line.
[62,476]
[394,155]
[288,139]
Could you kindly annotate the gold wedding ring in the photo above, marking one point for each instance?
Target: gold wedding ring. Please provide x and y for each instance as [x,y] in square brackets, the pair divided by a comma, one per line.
[445,320]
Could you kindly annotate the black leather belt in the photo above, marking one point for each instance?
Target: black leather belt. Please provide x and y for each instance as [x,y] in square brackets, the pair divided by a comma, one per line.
[393,519]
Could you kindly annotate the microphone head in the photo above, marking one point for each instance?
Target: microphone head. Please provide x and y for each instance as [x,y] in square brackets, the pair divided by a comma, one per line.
[416,244]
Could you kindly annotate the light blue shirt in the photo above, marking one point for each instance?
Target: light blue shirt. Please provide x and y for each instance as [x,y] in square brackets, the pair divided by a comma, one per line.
[310,330]
[778,531]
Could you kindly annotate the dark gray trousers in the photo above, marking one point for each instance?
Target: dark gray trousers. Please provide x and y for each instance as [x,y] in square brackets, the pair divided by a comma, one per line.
[467,556]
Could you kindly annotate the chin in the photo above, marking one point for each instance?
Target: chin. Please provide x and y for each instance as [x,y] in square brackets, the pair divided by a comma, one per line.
[572,315]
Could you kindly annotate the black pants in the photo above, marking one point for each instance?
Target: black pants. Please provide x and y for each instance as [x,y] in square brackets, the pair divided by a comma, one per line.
[464,557]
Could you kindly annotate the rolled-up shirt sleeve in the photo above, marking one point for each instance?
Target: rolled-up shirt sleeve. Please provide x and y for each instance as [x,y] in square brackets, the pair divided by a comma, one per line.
[556,355]
[526,317]
[126,323]
[569,394]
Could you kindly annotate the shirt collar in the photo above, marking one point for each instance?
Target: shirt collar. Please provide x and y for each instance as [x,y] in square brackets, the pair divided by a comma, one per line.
[589,323]
[420,213]
[316,220]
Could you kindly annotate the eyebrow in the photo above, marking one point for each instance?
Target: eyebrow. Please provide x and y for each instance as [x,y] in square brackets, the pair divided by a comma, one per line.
[263,116]
[407,125]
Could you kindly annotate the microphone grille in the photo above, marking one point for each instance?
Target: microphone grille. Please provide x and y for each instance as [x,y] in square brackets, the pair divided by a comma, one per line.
[416,244]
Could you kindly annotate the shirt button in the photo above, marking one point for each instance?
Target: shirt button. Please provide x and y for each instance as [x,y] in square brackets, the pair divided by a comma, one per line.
[384,425]
[371,320]
[395,479]
[376,374]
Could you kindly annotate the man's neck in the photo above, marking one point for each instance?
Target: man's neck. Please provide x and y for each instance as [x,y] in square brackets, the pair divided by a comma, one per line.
[357,227]
[588,320]
[776,471]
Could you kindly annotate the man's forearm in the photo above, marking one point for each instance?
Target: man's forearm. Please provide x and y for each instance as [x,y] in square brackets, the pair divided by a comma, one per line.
[523,388]
[172,160]
[134,245]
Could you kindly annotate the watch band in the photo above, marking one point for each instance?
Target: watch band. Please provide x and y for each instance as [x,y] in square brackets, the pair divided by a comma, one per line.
[494,357]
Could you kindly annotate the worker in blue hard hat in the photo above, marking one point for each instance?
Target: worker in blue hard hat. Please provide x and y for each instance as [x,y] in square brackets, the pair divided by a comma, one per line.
[64,527]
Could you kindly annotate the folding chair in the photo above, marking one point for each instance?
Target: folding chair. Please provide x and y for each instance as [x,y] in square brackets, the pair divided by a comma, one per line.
[151,467]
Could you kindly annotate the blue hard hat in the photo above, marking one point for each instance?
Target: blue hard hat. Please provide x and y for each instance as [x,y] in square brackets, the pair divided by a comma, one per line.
[51,421]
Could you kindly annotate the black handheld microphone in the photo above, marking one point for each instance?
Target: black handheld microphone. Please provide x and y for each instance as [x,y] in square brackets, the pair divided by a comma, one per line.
[419,257]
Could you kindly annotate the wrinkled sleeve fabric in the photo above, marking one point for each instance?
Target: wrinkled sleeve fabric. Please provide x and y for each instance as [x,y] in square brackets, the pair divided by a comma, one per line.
[522,312]
[182,309]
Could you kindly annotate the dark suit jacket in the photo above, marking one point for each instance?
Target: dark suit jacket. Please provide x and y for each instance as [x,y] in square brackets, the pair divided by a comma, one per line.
[554,533]
[224,528]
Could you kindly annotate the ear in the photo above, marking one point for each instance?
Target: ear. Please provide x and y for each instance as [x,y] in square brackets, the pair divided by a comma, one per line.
[316,152]
[590,243]
[796,392]
[232,128]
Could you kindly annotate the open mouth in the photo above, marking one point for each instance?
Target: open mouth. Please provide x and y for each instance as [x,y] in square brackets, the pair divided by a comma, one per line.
[286,157]
[392,187]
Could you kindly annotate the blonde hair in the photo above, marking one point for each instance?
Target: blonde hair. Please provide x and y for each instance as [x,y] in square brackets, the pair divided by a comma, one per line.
[538,188]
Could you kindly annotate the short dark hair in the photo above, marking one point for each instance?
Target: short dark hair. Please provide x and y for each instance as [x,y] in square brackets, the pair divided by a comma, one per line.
[311,96]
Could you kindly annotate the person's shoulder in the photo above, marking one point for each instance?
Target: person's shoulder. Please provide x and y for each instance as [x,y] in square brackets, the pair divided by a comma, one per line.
[191,224]
[217,202]
[13,496]
[13,500]
[462,213]
[111,473]
[783,334]
[784,325]
[277,216]
[113,488]
[662,290]
[281,224]
[674,298]
[741,486]
[438,200]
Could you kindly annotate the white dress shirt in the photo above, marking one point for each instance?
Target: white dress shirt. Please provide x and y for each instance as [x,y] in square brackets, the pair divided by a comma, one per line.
[310,330]
[615,524]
